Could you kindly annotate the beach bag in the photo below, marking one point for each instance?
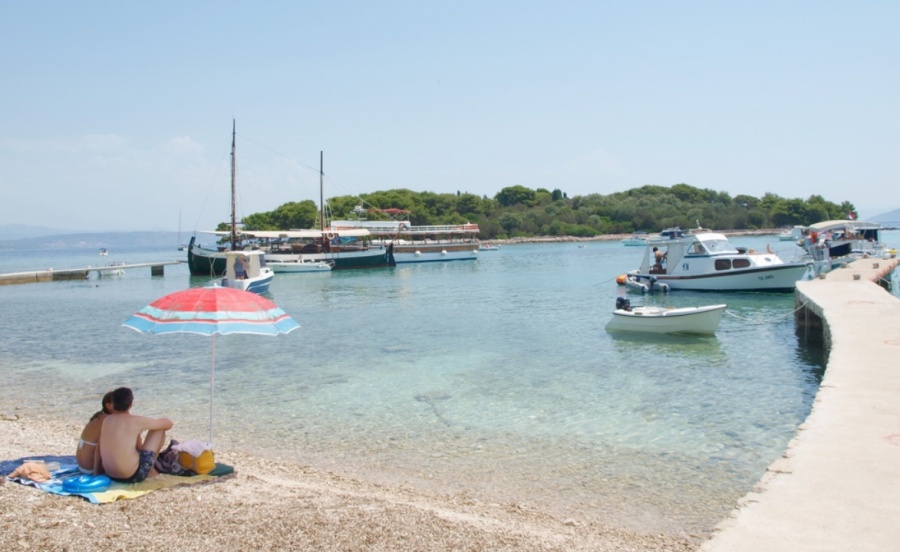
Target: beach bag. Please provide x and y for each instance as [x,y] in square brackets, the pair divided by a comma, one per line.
[195,456]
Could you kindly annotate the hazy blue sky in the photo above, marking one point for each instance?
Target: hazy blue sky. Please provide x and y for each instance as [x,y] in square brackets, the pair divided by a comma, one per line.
[117,115]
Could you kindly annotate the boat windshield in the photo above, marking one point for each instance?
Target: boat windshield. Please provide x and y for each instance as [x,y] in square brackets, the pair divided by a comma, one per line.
[718,246]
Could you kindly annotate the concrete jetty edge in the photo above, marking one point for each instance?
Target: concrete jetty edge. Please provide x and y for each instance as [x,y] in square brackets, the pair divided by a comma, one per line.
[837,486]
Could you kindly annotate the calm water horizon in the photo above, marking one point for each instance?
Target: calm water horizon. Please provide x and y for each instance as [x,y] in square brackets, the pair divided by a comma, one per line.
[493,378]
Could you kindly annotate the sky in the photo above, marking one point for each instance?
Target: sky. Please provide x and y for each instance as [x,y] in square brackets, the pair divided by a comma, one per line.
[117,116]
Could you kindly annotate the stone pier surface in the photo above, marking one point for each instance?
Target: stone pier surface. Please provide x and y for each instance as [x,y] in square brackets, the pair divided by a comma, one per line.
[837,487]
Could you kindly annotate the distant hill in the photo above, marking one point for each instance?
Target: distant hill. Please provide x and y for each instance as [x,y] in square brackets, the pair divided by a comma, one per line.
[19,231]
[92,240]
[891,218]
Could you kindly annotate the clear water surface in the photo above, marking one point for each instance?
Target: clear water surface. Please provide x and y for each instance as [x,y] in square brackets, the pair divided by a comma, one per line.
[493,378]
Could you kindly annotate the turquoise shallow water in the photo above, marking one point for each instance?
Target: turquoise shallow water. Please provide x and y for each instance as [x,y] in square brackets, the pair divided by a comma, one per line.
[493,378]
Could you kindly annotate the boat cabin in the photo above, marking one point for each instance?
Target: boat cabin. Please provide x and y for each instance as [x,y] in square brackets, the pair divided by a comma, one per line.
[665,256]
[242,265]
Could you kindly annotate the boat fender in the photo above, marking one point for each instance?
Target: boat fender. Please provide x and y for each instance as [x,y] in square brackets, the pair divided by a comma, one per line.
[86,484]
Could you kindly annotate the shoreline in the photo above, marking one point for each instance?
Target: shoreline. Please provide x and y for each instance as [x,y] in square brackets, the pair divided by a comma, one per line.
[273,503]
[618,237]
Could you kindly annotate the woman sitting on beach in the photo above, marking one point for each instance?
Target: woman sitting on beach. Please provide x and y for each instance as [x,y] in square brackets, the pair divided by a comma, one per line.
[88,452]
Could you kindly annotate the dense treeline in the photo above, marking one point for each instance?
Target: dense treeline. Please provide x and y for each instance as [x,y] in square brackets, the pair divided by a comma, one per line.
[517,211]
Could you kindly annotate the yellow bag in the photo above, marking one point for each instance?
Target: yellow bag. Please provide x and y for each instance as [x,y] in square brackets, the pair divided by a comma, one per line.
[202,464]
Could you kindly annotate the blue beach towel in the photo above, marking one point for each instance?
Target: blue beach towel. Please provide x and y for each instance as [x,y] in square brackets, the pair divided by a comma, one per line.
[68,469]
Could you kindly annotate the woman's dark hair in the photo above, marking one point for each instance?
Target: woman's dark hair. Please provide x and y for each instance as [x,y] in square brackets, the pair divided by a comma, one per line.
[104,409]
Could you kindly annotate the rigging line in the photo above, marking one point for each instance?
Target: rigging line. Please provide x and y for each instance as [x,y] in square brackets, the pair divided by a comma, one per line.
[766,320]
[278,153]
[209,190]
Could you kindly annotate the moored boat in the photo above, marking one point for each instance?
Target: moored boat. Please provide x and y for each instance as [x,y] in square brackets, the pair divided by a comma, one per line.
[204,261]
[414,244]
[702,320]
[706,261]
[636,240]
[791,234]
[247,271]
[297,266]
[833,242]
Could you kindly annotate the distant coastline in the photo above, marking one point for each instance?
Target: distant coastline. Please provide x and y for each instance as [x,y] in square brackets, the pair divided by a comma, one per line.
[97,240]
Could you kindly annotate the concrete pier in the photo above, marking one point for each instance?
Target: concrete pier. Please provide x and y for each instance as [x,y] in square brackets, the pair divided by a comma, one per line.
[837,487]
[51,275]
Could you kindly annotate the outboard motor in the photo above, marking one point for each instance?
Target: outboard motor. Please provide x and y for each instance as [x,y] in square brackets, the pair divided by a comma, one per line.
[622,303]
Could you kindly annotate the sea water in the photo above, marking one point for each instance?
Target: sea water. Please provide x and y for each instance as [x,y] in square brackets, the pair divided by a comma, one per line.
[491,378]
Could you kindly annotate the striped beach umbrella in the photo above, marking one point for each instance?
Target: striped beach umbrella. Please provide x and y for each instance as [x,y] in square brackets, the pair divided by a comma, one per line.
[212,311]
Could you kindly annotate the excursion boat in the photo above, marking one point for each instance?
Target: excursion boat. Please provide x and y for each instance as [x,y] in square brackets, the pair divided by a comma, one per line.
[312,250]
[833,242]
[660,320]
[247,271]
[706,261]
[290,250]
[414,244]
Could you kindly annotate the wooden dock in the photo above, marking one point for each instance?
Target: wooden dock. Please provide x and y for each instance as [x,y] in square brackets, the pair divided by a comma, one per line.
[157,268]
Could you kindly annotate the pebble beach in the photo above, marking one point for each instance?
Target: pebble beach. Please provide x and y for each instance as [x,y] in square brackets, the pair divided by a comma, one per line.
[270,504]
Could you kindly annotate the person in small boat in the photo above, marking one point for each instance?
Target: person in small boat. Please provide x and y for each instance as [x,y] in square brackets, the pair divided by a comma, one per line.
[660,258]
[87,455]
[125,456]
[240,271]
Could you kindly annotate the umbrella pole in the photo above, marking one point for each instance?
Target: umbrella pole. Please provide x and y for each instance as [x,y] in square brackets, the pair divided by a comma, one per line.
[212,387]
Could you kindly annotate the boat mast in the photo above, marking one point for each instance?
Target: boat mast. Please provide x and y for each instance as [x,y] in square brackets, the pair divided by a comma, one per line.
[233,189]
[321,193]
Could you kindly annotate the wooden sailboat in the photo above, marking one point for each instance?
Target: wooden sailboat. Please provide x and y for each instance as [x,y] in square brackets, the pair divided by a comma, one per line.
[323,248]
[211,262]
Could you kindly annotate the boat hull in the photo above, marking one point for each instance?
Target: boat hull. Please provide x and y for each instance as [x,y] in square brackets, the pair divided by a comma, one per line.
[413,253]
[204,262]
[339,260]
[297,267]
[691,320]
[254,285]
[777,278]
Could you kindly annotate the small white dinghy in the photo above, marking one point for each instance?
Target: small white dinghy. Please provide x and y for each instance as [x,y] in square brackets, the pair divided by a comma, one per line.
[689,320]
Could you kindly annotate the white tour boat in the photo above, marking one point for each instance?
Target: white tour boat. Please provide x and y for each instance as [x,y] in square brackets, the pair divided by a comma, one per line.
[414,244]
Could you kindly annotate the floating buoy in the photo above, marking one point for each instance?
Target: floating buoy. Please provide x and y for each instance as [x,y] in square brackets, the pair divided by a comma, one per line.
[621,279]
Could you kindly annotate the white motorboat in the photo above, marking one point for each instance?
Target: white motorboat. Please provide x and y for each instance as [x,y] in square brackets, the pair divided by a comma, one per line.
[247,271]
[660,320]
[791,234]
[299,265]
[706,261]
[636,240]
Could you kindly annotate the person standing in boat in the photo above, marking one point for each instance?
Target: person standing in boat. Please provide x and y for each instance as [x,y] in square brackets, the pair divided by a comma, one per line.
[660,258]
[240,271]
